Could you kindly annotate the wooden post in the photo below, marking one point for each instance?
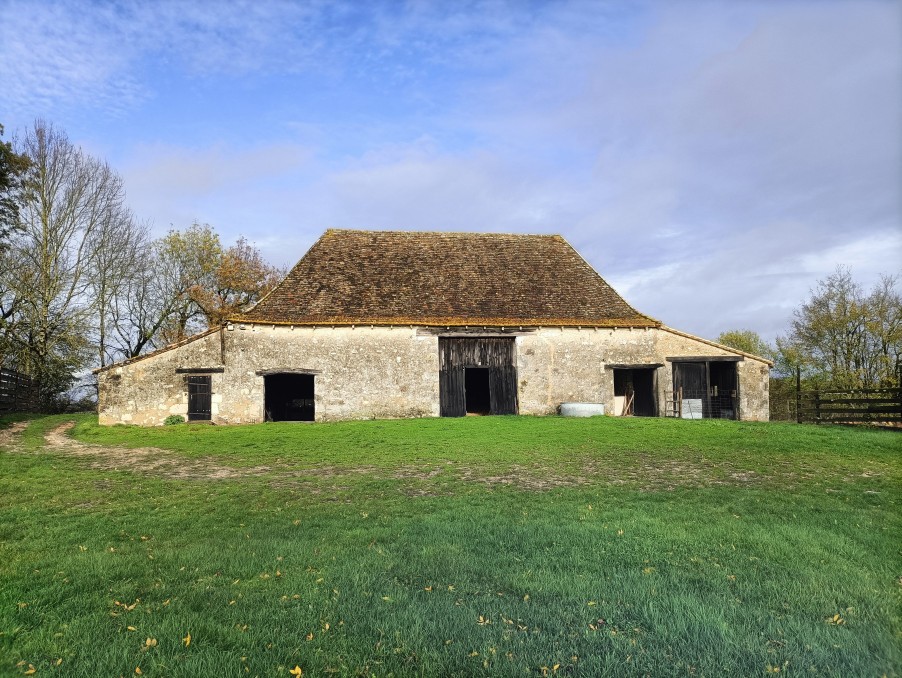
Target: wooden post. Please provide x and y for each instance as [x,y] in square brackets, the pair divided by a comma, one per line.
[817,407]
[798,395]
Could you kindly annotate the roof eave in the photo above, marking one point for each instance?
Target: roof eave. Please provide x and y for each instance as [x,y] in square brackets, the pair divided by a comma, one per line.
[640,321]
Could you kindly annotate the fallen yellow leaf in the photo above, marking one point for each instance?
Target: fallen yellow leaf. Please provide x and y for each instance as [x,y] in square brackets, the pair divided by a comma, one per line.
[131,628]
[138,670]
[187,640]
[31,670]
[296,671]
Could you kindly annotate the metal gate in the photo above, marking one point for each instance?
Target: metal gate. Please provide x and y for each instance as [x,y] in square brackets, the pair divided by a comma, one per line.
[704,389]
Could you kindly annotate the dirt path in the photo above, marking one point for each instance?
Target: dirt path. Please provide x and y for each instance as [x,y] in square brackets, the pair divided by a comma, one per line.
[9,436]
[161,463]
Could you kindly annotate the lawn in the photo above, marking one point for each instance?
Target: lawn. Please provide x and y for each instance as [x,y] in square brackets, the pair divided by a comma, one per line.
[478,546]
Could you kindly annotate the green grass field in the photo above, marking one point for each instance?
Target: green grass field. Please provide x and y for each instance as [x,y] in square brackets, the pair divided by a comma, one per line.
[480,546]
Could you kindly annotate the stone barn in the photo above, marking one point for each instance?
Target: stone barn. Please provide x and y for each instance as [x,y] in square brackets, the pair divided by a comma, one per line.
[381,324]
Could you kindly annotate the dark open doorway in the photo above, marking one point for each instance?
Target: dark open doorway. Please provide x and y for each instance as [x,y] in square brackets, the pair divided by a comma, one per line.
[289,397]
[478,390]
[705,388]
[723,390]
[634,392]
[477,375]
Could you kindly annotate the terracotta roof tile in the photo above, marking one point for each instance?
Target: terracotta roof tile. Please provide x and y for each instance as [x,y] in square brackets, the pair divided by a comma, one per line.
[430,278]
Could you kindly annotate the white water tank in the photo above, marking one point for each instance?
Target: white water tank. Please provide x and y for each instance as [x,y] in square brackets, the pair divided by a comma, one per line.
[582,409]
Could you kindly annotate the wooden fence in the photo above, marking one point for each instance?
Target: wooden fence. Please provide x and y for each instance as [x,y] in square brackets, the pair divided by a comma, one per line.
[863,405]
[17,393]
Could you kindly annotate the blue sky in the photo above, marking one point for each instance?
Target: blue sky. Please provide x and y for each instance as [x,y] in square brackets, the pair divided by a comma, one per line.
[712,160]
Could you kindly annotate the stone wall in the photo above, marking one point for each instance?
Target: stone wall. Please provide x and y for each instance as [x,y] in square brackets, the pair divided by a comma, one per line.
[148,390]
[360,373]
[382,372]
[573,365]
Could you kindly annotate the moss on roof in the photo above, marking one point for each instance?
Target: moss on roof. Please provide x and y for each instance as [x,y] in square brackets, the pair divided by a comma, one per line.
[431,278]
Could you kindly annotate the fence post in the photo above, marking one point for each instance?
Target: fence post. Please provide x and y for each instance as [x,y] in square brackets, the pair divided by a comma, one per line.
[798,395]
[817,407]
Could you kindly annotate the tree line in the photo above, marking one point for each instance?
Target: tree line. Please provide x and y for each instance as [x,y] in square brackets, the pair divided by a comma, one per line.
[840,338]
[83,283]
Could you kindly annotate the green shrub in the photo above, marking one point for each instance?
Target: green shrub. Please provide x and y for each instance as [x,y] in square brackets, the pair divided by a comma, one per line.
[174,419]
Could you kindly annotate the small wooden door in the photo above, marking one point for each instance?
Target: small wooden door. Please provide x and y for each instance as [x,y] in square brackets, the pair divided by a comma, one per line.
[199,398]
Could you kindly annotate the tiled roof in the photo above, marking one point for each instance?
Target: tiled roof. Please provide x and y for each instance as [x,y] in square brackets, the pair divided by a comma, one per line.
[430,278]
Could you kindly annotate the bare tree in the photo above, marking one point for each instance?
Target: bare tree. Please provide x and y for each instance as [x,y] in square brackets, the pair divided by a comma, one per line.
[118,249]
[69,197]
[185,282]
[152,298]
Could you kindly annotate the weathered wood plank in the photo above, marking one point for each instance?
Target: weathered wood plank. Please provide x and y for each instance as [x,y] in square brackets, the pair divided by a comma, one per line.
[496,354]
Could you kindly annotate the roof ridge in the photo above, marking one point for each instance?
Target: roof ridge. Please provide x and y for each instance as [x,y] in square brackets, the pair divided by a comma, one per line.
[394,231]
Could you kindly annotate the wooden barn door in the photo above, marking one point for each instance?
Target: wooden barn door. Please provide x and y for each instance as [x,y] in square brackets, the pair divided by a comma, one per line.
[199,393]
[497,354]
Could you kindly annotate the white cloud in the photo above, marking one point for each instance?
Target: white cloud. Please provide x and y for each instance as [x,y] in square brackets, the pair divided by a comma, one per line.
[221,185]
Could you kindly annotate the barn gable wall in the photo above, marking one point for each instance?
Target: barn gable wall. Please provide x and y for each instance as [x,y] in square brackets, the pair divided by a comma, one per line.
[383,372]
[147,391]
